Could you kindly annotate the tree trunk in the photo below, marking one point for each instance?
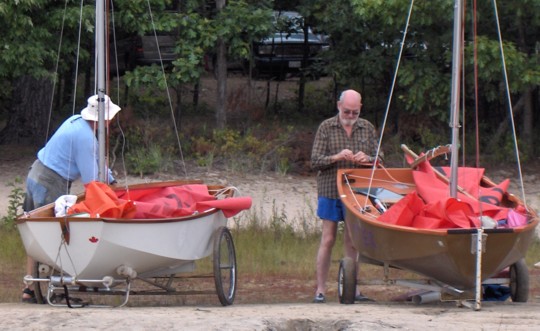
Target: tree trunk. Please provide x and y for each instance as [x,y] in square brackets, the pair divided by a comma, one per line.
[503,126]
[221,75]
[29,120]
[178,112]
[528,142]
[302,81]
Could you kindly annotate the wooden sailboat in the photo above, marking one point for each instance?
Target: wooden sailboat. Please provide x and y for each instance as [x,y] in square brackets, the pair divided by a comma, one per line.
[465,239]
[105,252]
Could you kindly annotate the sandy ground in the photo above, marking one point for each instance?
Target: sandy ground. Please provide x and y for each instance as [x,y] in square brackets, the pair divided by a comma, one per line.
[292,197]
[365,316]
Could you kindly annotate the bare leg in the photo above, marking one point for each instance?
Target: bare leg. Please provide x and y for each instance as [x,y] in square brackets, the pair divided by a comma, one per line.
[328,239]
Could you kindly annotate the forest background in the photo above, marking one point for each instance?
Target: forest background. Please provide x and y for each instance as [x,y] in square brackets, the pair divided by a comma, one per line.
[266,125]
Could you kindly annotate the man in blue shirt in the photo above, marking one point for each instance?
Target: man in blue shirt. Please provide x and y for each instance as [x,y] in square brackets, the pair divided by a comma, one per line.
[70,154]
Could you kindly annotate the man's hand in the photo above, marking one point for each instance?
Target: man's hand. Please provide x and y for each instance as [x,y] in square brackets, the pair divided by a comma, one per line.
[345,155]
[361,157]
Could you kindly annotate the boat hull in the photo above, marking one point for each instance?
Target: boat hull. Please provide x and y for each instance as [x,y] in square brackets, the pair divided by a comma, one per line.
[445,255]
[97,247]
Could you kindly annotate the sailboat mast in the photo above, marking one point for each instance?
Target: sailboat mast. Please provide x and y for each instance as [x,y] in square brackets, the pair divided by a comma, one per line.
[100,71]
[454,102]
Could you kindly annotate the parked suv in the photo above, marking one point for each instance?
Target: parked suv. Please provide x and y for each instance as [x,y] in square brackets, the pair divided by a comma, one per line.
[143,50]
[283,52]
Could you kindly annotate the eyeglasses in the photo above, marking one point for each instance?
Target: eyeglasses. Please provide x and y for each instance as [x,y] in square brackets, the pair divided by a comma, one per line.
[349,112]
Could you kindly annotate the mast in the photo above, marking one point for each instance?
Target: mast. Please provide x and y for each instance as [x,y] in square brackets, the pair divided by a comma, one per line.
[454,101]
[100,71]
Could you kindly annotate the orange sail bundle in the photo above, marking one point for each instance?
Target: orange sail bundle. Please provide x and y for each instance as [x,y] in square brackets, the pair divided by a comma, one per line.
[157,202]
[431,207]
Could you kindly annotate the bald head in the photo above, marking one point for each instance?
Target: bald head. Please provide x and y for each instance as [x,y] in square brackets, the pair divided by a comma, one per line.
[349,106]
[350,99]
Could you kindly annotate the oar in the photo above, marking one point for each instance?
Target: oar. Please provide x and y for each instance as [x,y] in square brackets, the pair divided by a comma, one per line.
[439,174]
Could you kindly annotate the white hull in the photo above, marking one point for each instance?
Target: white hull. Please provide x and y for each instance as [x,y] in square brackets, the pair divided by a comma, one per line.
[98,247]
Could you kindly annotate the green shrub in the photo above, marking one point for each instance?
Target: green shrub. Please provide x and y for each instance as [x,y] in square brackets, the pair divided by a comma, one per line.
[145,161]
[254,149]
[15,203]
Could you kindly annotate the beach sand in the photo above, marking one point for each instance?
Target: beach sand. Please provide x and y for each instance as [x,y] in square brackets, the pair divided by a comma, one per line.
[333,316]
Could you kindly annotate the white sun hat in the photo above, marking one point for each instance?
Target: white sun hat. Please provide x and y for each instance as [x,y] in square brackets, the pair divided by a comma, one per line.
[90,113]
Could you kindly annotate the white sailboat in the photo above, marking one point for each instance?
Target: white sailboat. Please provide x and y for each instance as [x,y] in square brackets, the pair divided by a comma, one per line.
[77,252]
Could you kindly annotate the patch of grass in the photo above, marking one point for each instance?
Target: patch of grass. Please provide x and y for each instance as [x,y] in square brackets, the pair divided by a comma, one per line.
[533,254]
[12,265]
[16,198]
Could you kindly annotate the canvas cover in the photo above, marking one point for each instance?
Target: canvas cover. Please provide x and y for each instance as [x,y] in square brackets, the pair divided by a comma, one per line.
[431,207]
[158,202]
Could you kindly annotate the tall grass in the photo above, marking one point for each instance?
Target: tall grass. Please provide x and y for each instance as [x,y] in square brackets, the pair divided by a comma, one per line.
[12,265]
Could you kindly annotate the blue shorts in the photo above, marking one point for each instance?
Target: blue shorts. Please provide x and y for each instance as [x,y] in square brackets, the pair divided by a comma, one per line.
[330,209]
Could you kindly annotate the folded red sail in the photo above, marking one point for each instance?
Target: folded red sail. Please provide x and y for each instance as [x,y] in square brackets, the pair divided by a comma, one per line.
[159,202]
[431,206]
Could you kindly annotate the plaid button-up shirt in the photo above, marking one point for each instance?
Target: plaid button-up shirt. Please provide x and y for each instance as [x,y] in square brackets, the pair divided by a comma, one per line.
[331,139]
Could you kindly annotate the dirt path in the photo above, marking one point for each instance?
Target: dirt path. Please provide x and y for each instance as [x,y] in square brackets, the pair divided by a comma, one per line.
[366,316]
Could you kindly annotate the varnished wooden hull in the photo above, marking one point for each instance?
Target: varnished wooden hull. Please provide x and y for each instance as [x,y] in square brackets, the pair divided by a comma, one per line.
[445,255]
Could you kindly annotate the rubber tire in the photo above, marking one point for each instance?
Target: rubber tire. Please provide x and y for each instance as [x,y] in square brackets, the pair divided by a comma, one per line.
[38,290]
[224,262]
[347,281]
[519,281]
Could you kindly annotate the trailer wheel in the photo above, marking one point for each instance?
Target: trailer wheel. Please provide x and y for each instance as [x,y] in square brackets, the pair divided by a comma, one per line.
[38,290]
[519,281]
[224,260]
[347,280]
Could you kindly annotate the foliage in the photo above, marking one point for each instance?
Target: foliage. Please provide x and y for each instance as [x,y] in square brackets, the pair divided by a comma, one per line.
[149,148]
[363,54]
[196,35]
[15,202]
[365,40]
[145,160]
[252,150]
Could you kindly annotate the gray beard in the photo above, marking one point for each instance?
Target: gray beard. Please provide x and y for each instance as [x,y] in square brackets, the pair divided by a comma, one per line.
[347,122]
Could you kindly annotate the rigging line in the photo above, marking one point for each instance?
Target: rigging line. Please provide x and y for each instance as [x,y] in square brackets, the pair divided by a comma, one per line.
[107,92]
[168,92]
[476,97]
[476,107]
[117,118]
[402,46]
[510,109]
[463,94]
[390,175]
[364,209]
[55,78]
[75,85]
[58,261]
[115,45]
[393,181]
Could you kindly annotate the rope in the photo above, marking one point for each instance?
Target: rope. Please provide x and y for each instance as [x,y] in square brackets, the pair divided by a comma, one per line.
[510,108]
[117,118]
[55,79]
[168,93]
[394,79]
[477,131]
[76,73]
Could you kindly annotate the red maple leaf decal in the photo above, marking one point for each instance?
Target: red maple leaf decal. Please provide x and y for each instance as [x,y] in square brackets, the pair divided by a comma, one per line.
[93,239]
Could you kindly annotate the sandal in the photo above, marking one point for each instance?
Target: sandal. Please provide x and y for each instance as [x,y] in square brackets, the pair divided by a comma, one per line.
[31,296]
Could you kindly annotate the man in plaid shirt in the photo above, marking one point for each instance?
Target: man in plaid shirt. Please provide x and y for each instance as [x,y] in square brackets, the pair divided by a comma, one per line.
[343,141]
